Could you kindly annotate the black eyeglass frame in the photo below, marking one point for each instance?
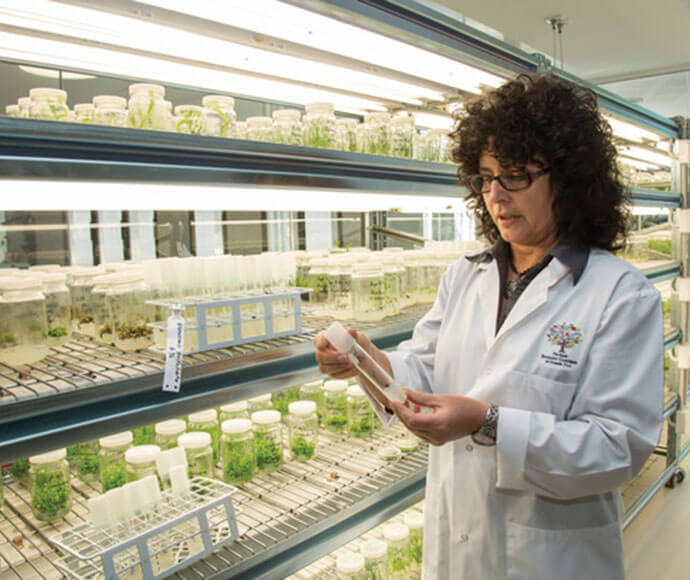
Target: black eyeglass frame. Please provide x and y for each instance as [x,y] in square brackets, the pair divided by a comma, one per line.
[531,176]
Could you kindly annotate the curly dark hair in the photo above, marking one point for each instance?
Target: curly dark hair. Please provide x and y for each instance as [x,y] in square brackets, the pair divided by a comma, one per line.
[555,124]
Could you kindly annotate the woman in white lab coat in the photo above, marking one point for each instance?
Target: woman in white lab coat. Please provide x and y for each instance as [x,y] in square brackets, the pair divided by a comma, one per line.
[542,357]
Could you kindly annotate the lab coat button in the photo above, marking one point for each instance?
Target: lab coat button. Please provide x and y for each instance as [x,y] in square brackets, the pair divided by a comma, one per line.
[469,447]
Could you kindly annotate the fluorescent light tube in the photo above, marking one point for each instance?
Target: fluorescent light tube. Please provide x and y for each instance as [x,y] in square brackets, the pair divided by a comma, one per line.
[110,62]
[630,132]
[646,155]
[131,33]
[24,195]
[301,26]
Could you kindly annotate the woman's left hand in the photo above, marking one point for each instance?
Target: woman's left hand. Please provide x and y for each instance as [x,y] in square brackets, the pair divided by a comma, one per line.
[453,417]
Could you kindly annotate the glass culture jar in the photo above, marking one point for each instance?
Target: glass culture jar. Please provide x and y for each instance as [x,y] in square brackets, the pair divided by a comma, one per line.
[112,459]
[167,433]
[367,292]
[20,471]
[145,435]
[434,145]
[287,127]
[335,405]
[140,461]
[268,440]
[415,523]
[377,133]
[360,415]
[319,125]
[375,559]
[317,280]
[260,403]
[392,278]
[239,130]
[146,107]
[346,135]
[340,286]
[110,110]
[206,421]
[260,129]
[23,325]
[313,391]
[80,291]
[51,494]
[58,307]
[100,310]
[428,277]
[126,300]
[83,113]
[48,104]
[303,429]
[398,538]
[24,104]
[224,107]
[350,566]
[237,451]
[13,111]
[189,119]
[85,460]
[197,447]
[236,410]
[402,136]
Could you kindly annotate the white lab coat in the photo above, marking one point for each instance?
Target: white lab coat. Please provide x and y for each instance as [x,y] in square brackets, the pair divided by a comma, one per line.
[575,422]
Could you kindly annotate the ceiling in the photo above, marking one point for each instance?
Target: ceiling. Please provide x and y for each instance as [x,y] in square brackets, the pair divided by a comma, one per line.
[639,49]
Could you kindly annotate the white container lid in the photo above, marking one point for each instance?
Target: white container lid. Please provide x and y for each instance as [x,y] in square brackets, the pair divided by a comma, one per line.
[287,115]
[314,384]
[158,91]
[340,338]
[194,440]
[356,392]
[367,268]
[188,109]
[335,386]
[350,563]
[414,520]
[142,454]
[236,407]
[12,109]
[319,108]
[236,426]
[389,452]
[24,101]
[109,101]
[171,427]
[407,444]
[222,100]
[259,399]
[25,282]
[117,440]
[50,457]
[42,93]
[302,408]
[266,417]
[374,549]
[404,120]
[396,532]
[207,416]
[83,107]
[377,117]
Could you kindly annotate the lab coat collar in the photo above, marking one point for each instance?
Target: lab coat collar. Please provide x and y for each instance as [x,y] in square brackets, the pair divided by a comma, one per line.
[568,252]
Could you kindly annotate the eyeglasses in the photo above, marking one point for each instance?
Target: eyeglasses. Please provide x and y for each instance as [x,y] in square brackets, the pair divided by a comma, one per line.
[512,181]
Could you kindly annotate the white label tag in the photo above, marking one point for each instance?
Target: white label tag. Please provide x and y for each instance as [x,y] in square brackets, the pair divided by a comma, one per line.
[173,352]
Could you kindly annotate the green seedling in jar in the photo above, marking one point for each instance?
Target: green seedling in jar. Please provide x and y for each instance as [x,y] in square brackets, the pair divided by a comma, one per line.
[238,462]
[50,495]
[372,571]
[145,435]
[301,448]
[7,339]
[282,400]
[113,476]
[125,332]
[20,470]
[57,332]
[336,422]
[362,427]
[416,542]
[268,452]
[87,467]
[104,330]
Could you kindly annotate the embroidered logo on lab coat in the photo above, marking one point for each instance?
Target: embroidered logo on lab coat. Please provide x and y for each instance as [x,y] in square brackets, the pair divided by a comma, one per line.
[564,337]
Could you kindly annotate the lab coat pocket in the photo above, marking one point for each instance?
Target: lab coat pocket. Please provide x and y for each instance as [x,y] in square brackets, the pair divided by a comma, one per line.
[585,553]
[536,393]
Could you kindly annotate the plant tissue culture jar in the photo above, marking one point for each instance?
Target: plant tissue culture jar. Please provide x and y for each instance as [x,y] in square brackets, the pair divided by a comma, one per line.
[51,493]
[335,405]
[197,447]
[303,429]
[23,325]
[206,421]
[147,108]
[58,307]
[80,291]
[223,106]
[237,455]
[319,126]
[268,439]
[48,104]
[360,415]
[368,297]
[127,302]
[112,459]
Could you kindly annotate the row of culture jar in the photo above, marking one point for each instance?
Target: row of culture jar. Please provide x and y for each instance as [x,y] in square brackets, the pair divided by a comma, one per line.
[379,134]
[369,286]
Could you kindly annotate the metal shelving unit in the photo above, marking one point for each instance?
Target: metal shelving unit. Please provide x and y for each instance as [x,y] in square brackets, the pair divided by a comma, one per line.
[83,390]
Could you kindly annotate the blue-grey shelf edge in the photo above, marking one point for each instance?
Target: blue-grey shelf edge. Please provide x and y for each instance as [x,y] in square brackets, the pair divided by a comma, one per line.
[667,271]
[86,414]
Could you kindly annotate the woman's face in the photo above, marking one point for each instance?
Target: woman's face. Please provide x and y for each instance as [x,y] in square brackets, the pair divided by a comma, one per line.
[524,217]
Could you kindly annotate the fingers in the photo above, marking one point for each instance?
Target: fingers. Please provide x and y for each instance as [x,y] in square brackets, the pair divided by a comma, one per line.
[422,399]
